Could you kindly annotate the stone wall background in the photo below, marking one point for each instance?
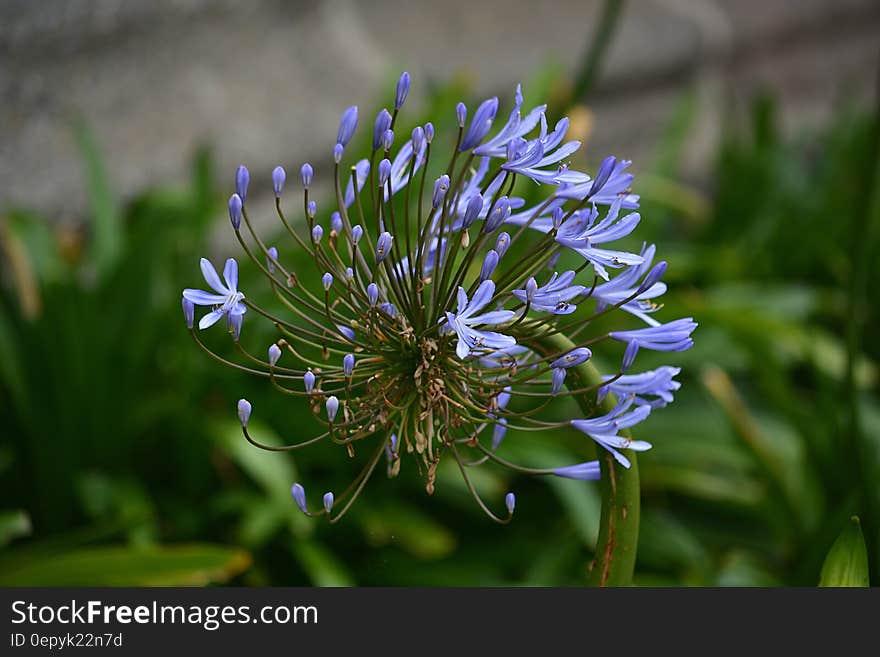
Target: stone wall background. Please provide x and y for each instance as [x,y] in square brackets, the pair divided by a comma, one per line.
[265,81]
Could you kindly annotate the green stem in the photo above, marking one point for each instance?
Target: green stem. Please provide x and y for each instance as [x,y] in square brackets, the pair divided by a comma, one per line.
[595,55]
[619,486]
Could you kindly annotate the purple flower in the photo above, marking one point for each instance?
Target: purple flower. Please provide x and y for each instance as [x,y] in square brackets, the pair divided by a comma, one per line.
[616,187]
[271,259]
[480,124]
[309,381]
[626,285]
[332,407]
[604,429]
[328,500]
[348,364]
[510,502]
[672,336]
[441,186]
[588,471]
[555,295]
[461,114]
[531,158]
[226,299]
[654,387]
[490,262]
[274,354]
[361,173]
[558,375]
[384,171]
[516,127]
[573,358]
[306,173]
[188,312]
[462,322]
[499,213]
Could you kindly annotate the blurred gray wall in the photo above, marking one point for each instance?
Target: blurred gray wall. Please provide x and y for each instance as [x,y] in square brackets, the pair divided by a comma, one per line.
[265,81]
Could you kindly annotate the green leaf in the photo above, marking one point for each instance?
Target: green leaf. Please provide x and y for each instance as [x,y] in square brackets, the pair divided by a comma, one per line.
[108,235]
[847,562]
[179,565]
[14,524]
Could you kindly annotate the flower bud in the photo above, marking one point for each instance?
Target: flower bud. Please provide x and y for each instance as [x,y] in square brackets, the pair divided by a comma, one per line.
[490,262]
[653,276]
[279,176]
[384,171]
[299,496]
[441,186]
[499,214]
[338,150]
[502,244]
[307,173]
[388,140]
[383,122]
[388,308]
[235,211]
[383,246]
[573,358]
[274,354]
[557,215]
[336,223]
[242,178]
[327,280]
[372,293]
[461,114]
[498,432]
[271,259]
[531,288]
[332,407]
[429,132]
[472,210]
[309,381]
[418,139]
[480,124]
[356,234]
[244,411]
[328,501]
[317,233]
[602,175]
[311,209]
[347,125]
[510,502]
[402,90]
[349,273]
[348,364]
[189,310]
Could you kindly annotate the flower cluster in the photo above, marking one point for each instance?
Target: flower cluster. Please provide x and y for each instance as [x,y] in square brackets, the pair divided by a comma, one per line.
[438,317]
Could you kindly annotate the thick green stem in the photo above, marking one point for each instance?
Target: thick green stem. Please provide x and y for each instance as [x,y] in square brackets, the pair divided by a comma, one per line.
[619,524]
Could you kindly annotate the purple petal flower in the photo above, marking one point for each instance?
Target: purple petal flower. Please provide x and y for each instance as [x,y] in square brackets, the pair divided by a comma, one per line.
[604,429]
[311,209]
[388,140]
[372,293]
[384,171]
[471,340]
[338,150]
[336,222]
[461,114]
[499,213]
[555,296]
[357,232]
[327,280]
[502,243]
[629,355]
[499,430]
[602,176]
[317,233]
[418,138]
[226,299]
[309,381]
[348,364]
[588,471]
[244,411]
[559,374]
[472,211]
[654,387]
[429,132]
[673,336]
[490,262]
[274,354]
[233,323]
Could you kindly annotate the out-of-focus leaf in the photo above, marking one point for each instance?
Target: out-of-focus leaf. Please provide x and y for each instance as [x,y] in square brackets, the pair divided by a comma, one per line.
[108,235]
[847,562]
[414,531]
[741,568]
[179,565]
[321,566]
[666,543]
[14,524]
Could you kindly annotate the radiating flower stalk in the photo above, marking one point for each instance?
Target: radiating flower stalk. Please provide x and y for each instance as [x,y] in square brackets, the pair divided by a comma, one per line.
[436,317]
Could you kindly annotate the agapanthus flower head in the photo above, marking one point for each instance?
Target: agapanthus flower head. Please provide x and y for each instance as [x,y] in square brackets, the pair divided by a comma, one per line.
[447,315]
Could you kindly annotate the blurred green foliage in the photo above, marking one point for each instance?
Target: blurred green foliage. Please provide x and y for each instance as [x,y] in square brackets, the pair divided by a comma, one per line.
[121,460]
